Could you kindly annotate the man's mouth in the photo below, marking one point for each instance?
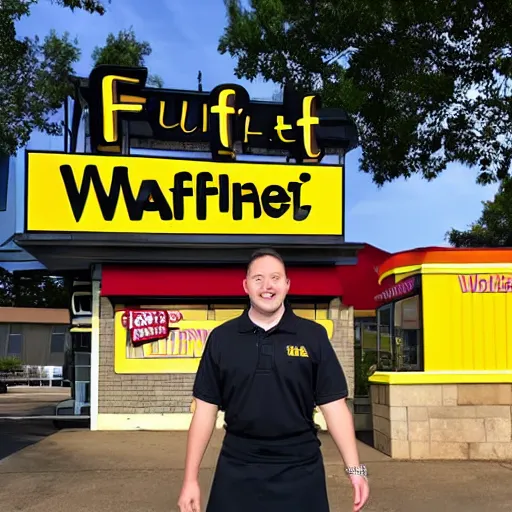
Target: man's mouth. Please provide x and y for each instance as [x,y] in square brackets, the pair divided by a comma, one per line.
[268,296]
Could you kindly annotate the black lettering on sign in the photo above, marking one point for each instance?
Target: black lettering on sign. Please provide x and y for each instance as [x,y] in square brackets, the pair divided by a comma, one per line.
[179,192]
[239,198]
[149,198]
[203,191]
[300,212]
[274,200]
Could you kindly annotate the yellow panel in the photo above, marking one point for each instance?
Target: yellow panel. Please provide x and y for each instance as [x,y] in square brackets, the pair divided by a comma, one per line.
[466,330]
[305,313]
[228,306]
[362,313]
[169,356]
[405,378]
[322,314]
[223,315]
[52,179]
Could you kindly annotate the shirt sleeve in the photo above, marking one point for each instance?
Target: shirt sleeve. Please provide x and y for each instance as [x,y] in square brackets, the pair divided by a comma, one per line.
[207,382]
[331,383]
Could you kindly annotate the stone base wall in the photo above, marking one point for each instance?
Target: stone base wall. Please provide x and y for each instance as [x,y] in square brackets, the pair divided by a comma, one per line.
[343,339]
[443,421]
[137,393]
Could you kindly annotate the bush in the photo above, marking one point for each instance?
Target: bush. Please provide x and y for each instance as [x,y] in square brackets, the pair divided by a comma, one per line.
[362,373]
[10,364]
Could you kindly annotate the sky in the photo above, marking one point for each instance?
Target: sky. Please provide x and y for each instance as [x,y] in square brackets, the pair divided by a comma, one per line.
[184,37]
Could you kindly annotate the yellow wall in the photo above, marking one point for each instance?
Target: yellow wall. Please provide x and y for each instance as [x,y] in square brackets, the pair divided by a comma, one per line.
[465,331]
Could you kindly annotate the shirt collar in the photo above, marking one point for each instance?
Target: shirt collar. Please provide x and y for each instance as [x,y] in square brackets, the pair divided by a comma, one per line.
[286,324]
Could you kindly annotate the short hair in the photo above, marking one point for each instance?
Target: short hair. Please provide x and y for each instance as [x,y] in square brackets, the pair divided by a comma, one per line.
[260,253]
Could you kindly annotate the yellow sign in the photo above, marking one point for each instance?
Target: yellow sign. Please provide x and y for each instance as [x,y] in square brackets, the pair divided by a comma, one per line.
[137,194]
[180,352]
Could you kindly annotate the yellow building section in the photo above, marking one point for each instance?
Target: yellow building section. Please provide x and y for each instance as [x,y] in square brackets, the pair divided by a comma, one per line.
[467,321]
[181,351]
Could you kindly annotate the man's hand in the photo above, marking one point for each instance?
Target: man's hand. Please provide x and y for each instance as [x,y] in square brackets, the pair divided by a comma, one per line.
[361,491]
[190,497]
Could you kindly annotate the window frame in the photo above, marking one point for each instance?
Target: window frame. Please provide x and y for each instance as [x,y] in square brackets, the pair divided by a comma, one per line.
[55,332]
[391,305]
[18,331]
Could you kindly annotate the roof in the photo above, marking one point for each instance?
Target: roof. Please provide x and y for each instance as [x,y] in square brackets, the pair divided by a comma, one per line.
[34,316]
[415,259]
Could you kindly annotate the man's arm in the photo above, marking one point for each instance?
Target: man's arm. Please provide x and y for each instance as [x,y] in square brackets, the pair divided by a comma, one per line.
[199,435]
[340,424]
[331,391]
[208,398]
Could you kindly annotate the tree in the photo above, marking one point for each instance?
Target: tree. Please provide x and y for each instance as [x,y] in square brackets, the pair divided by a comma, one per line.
[426,82]
[36,290]
[494,227]
[33,75]
[125,50]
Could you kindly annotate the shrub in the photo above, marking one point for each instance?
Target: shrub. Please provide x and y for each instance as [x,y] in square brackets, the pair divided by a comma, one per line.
[10,364]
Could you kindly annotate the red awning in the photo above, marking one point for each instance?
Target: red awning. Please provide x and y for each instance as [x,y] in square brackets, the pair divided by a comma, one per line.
[126,281]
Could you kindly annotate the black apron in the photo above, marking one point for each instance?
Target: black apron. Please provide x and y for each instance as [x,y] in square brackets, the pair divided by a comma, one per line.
[269,476]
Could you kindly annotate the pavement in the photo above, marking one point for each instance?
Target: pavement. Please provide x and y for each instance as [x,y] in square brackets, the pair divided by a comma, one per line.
[22,401]
[84,471]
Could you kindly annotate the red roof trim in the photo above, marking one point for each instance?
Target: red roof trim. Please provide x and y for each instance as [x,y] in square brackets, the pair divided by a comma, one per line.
[123,281]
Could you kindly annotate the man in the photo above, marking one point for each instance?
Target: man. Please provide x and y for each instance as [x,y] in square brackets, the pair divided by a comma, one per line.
[267,370]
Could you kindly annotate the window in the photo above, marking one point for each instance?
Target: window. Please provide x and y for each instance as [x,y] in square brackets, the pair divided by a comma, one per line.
[15,342]
[384,334]
[365,351]
[407,334]
[399,336]
[58,340]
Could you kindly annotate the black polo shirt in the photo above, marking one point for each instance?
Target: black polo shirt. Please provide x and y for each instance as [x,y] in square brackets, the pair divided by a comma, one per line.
[268,382]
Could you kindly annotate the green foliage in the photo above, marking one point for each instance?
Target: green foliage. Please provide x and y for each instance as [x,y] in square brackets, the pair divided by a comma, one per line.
[10,364]
[125,50]
[33,75]
[36,289]
[92,6]
[362,370]
[426,82]
[494,227]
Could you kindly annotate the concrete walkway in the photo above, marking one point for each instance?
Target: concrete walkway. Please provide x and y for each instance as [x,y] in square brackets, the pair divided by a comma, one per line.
[83,471]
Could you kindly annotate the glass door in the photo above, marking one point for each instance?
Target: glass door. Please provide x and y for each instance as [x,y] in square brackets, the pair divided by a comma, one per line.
[384,336]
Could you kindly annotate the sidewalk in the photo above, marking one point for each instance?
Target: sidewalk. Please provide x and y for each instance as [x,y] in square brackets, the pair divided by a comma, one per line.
[83,471]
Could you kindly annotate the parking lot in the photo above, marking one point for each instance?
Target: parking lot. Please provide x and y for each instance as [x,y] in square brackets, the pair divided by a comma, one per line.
[31,401]
[84,471]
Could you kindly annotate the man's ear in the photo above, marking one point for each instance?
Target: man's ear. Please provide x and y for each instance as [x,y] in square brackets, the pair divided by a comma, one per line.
[245,286]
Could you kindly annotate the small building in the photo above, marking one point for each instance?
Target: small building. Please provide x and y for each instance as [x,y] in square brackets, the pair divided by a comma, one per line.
[37,337]
[442,388]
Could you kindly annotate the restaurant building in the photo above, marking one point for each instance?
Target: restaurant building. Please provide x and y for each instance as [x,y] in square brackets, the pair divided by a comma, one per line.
[155,247]
[443,385]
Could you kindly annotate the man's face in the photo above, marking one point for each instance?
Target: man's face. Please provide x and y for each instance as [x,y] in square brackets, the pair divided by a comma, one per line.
[266,284]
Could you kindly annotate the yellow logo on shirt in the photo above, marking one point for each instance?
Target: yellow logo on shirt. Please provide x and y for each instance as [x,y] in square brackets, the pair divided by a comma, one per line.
[294,351]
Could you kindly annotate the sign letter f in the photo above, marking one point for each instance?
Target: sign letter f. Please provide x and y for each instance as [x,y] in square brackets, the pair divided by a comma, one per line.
[113,103]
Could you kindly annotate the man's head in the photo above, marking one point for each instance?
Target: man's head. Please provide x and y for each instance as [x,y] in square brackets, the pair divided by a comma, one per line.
[266,282]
